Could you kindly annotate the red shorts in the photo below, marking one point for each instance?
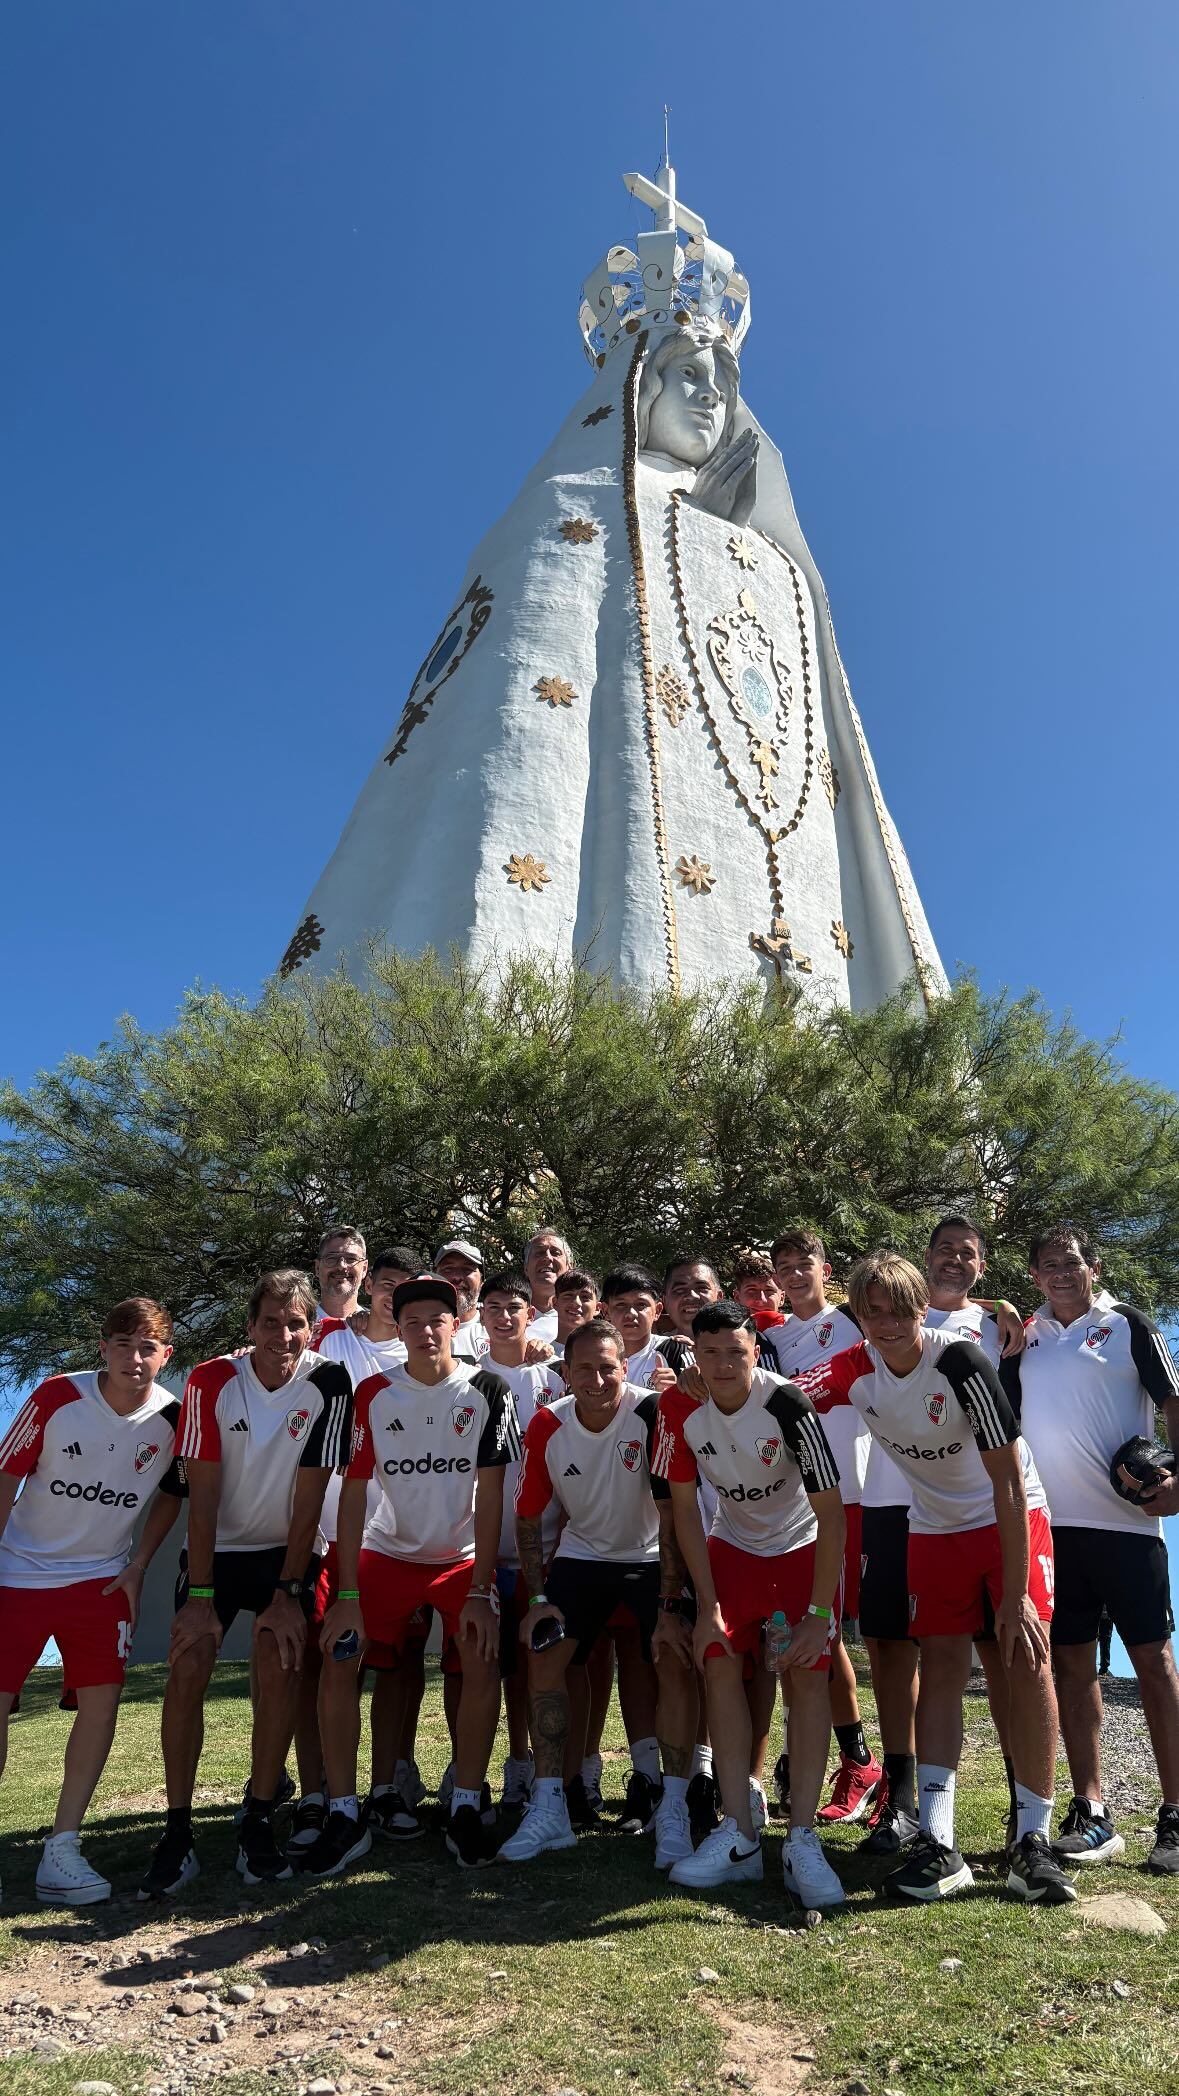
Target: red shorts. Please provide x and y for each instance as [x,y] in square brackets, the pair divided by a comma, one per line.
[327,1587]
[953,1576]
[851,1559]
[92,1631]
[394,1591]
[750,1589]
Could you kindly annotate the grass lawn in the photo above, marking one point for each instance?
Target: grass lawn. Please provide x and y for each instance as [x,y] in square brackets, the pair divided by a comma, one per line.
[579,1973]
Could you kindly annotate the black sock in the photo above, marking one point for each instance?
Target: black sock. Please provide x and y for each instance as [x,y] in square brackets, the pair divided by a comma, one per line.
[901,1771]
[179,1820]
[1009,1765]
[259,1808]
[852,1744]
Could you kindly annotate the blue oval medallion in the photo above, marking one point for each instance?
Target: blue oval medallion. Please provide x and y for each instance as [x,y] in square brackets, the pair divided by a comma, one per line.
[756,693]
[443,652]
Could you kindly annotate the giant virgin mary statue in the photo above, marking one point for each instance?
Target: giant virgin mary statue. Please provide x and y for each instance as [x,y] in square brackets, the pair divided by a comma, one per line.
[632,734]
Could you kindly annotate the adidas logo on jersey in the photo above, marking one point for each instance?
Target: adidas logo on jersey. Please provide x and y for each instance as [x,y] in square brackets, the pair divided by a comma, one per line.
[74,1449]
[706,1449]
[572,1471]
[394,1427]
[240,1426]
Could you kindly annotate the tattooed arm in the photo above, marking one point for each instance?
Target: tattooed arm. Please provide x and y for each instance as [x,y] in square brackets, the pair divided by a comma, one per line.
[672,1636]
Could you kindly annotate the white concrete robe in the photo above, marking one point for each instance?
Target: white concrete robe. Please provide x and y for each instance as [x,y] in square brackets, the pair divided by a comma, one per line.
[507,821]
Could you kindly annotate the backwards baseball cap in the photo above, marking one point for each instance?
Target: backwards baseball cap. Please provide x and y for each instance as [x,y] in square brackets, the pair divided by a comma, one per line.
[464,1249]
[425,1288]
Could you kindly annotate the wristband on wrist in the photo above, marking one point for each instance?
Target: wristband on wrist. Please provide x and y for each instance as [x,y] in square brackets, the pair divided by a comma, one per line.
[348,1594]
[200,1593]
[537,1600]
[824,1614]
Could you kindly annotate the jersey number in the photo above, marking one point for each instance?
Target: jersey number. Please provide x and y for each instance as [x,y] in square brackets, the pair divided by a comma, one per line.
[1048,1574]
[126,1633]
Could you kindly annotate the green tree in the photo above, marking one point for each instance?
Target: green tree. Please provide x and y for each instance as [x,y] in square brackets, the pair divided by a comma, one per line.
[179,1164]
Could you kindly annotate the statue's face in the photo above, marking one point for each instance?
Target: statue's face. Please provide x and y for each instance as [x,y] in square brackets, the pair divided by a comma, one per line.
[687,417]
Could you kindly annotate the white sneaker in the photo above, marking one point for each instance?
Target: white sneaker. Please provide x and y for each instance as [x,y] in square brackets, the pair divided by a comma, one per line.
[593,1780]
[518,1774]
[407,1779]
[545,1825]
[724,1857]
[758,1805]
[806,1873]
[64,1878]
[673,1832]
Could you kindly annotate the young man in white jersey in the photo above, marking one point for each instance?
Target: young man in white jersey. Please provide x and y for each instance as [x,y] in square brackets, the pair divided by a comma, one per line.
[461,1263]
[576,1298]
[363,1353]
[774,1551]
[437,1435]
[1095,1374]
[505,1305]
[546,1257]
[814,1330]
[588,1454]
[85,1454]
[260,1435]
[978,1533]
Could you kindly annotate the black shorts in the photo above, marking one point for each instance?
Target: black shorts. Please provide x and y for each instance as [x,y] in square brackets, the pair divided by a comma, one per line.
[1115,1569]
[884,1572]
[246,1579]
[588,1590]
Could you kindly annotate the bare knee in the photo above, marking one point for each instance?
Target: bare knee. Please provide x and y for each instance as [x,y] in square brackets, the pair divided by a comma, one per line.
[1153,1664]
[191,1670]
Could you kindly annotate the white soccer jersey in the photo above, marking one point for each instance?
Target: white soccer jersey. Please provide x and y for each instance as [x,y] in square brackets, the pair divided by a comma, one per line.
[544,1326]
[263,1438]
[1082,1390]
[88,1472]
[602,1480]
[798,1344]
[426,1443]
[932,1423]
[762,1460]
[361,1356]
[470,1342]
[884,1486]
[533,1386]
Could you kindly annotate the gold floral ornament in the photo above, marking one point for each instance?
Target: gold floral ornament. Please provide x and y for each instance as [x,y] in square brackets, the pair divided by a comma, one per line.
[578,531]
[695,874]
[672,694]
[742,552]
[526,873]
[777,946]
[839,933]
[828,776]
[599,415]
[306,941]
[554,691]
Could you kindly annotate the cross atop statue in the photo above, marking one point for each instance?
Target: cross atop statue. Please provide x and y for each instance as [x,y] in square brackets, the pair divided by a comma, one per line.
[660,197]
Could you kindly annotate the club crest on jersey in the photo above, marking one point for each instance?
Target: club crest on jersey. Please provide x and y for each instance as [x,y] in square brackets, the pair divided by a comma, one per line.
[769,1448]
[297,1424]
[1096,1335]
[462,1420]
[146,1453]
[631,1453]
[935,1405]
[823,1335]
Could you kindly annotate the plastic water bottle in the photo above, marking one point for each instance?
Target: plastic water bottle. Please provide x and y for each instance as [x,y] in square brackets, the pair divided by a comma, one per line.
[778,1636]
[348,1646]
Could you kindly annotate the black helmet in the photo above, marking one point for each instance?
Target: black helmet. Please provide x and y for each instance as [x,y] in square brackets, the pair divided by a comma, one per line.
[1138,1467]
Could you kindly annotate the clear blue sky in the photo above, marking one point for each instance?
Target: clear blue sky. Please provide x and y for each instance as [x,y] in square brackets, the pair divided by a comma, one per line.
[291,300]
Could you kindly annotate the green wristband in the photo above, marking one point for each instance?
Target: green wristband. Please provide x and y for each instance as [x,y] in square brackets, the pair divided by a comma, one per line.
[200,1593]
[535,1600]
[823,1613]
[348,1594]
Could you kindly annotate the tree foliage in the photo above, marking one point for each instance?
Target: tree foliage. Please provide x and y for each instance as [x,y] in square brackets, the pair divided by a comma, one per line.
[179,1164]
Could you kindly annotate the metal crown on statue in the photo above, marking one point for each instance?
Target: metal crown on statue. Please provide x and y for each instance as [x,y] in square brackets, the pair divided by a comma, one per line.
[661,283]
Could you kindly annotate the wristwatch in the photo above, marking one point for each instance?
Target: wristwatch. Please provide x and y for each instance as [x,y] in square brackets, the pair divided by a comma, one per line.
[673,1605]
[293,1587]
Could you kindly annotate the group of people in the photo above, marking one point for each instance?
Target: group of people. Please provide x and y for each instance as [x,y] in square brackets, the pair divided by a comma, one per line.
[649,1479]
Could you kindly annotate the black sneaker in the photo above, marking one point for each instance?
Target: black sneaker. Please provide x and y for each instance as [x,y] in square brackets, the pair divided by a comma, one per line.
[260,1861]
[703,1804]
[891,1831]
[282,1796]
[307,1824]
[641,1804]
[468,1839]
[487,1806]
[389,1815]
[584,1815]
[1164,1856]
[782,1784]
[342,1841]
[929,1872]
[1086,1836]
[173,1866]
[1036,1876]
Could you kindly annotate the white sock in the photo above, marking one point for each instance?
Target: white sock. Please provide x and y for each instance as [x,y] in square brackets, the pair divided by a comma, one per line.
[463,1797]
[675,1787]
[935,1801]
[385,1790]
[350,1807]
[591,1770]
[644,1754]
[548,1790]
[1033,1813]
[313,1797]
[702,1761]
[1095,1805]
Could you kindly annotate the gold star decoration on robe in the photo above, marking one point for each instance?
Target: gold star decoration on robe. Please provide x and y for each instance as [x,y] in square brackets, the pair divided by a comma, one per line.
[839,933]
[742,552]
[578,531]
[528,874]
[554,691]
[695,874]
